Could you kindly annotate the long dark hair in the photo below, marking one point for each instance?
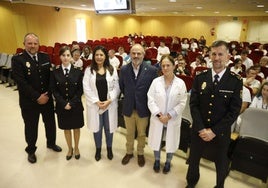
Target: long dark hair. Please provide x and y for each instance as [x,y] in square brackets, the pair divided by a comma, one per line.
[106,63]
[260,91]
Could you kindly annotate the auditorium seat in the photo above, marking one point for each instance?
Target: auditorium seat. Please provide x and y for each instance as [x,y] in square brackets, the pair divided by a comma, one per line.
[188,80]
[250,154]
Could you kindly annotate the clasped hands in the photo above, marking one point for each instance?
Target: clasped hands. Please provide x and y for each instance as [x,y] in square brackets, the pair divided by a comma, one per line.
[164,118]
[103,104]
[207,134]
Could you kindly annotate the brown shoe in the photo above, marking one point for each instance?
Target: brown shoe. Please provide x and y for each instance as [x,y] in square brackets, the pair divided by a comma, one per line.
[126,159]
[141,160]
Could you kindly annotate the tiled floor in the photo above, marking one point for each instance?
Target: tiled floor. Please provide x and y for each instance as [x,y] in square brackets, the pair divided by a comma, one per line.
[52,169]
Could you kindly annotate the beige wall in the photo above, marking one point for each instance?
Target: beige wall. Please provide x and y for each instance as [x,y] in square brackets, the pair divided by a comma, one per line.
[52,26]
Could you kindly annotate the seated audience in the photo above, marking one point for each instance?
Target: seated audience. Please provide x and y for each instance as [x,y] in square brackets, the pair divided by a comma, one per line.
[264,61]
[114,61]
[185,47]
[260,48]
[234,54]
[197,62]
[261,99]
[76,61]
[162,50]
[245,60]
[181,68]
[237,68]
[121,52]
[202,42]
[152,45]
[193,45]
[250,80]
[87,53]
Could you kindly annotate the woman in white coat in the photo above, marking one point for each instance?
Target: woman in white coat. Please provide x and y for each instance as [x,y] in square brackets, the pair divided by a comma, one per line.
[166,100]
[101,89]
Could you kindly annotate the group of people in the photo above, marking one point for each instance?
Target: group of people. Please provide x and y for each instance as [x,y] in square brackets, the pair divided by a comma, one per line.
[215,103]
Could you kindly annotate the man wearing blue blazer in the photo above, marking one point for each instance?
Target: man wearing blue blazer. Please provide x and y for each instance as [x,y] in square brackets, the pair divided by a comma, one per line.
[134,80]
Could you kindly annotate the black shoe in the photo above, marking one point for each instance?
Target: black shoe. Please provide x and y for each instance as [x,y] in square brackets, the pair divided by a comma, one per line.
[55,148]
[32,158]
[110,153]
[98,154]
[156,166]
[68,157]
[77,156]
[141,160]
[166,168]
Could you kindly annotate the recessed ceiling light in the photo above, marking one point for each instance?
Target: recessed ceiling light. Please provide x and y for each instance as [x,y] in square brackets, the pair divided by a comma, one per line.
[216,12]
[173,1]
[266,11]
[260,6]
[83,5]
[153,8]
[199,7]
[229,15]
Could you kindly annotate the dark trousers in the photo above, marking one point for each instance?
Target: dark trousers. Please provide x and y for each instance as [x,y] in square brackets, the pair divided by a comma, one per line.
[218,148]
[31,119]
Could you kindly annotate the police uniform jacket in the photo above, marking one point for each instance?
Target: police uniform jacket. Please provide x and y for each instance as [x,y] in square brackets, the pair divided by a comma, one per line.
[68,89]
[215,107]
[31,77]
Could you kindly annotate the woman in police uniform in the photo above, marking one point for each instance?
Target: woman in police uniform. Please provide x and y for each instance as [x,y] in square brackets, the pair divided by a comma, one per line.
[66,86]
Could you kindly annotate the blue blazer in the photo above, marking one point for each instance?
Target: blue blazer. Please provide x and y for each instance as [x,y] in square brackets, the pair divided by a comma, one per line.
[135,89]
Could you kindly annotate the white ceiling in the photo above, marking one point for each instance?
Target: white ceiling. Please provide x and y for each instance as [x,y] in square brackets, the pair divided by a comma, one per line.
[178,8]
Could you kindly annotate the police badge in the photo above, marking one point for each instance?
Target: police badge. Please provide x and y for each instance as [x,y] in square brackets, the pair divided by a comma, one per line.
[204,85]
[28,65]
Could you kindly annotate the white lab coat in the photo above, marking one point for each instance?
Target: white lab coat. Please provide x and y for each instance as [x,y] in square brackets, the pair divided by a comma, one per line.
[157,103]
[91,94]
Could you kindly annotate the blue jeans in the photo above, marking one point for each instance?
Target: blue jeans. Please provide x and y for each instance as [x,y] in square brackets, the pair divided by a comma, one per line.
[104,123]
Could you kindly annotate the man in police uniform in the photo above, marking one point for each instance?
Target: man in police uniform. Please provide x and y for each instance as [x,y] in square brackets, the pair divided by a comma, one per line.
[31,71]
[215,104]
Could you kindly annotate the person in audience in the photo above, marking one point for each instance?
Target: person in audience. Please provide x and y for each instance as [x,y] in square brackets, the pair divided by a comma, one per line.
[197,62]
[202,42]
[185,47]
[250,80]
[144,45]
[114,61]
[245,60]
[134,80]
[87,53]
[203,63]
[213,114]
[181,68]
[261,99]
[193,45]
[178,58]
[264,61]
[31,71]
[67,89]
[152,45]
[121,52]
[257,67]
[166,100]
[162,50]
[77,61]
[75,47]
[175,40]
[101,91]
[234,54]
[261,48]
[237,68]
[205,52]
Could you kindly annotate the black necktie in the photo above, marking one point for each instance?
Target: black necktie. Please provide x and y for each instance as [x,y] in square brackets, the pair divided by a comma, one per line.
[35,60]
[66,72]
[216,79]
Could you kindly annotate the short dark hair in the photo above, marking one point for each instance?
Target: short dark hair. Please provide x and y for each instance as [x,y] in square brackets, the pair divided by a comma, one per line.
[169,57]
[220,43]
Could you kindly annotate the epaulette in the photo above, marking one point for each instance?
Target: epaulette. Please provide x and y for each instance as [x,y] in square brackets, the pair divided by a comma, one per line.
[201,72]
[238,76]
[18,54]
[79,68]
